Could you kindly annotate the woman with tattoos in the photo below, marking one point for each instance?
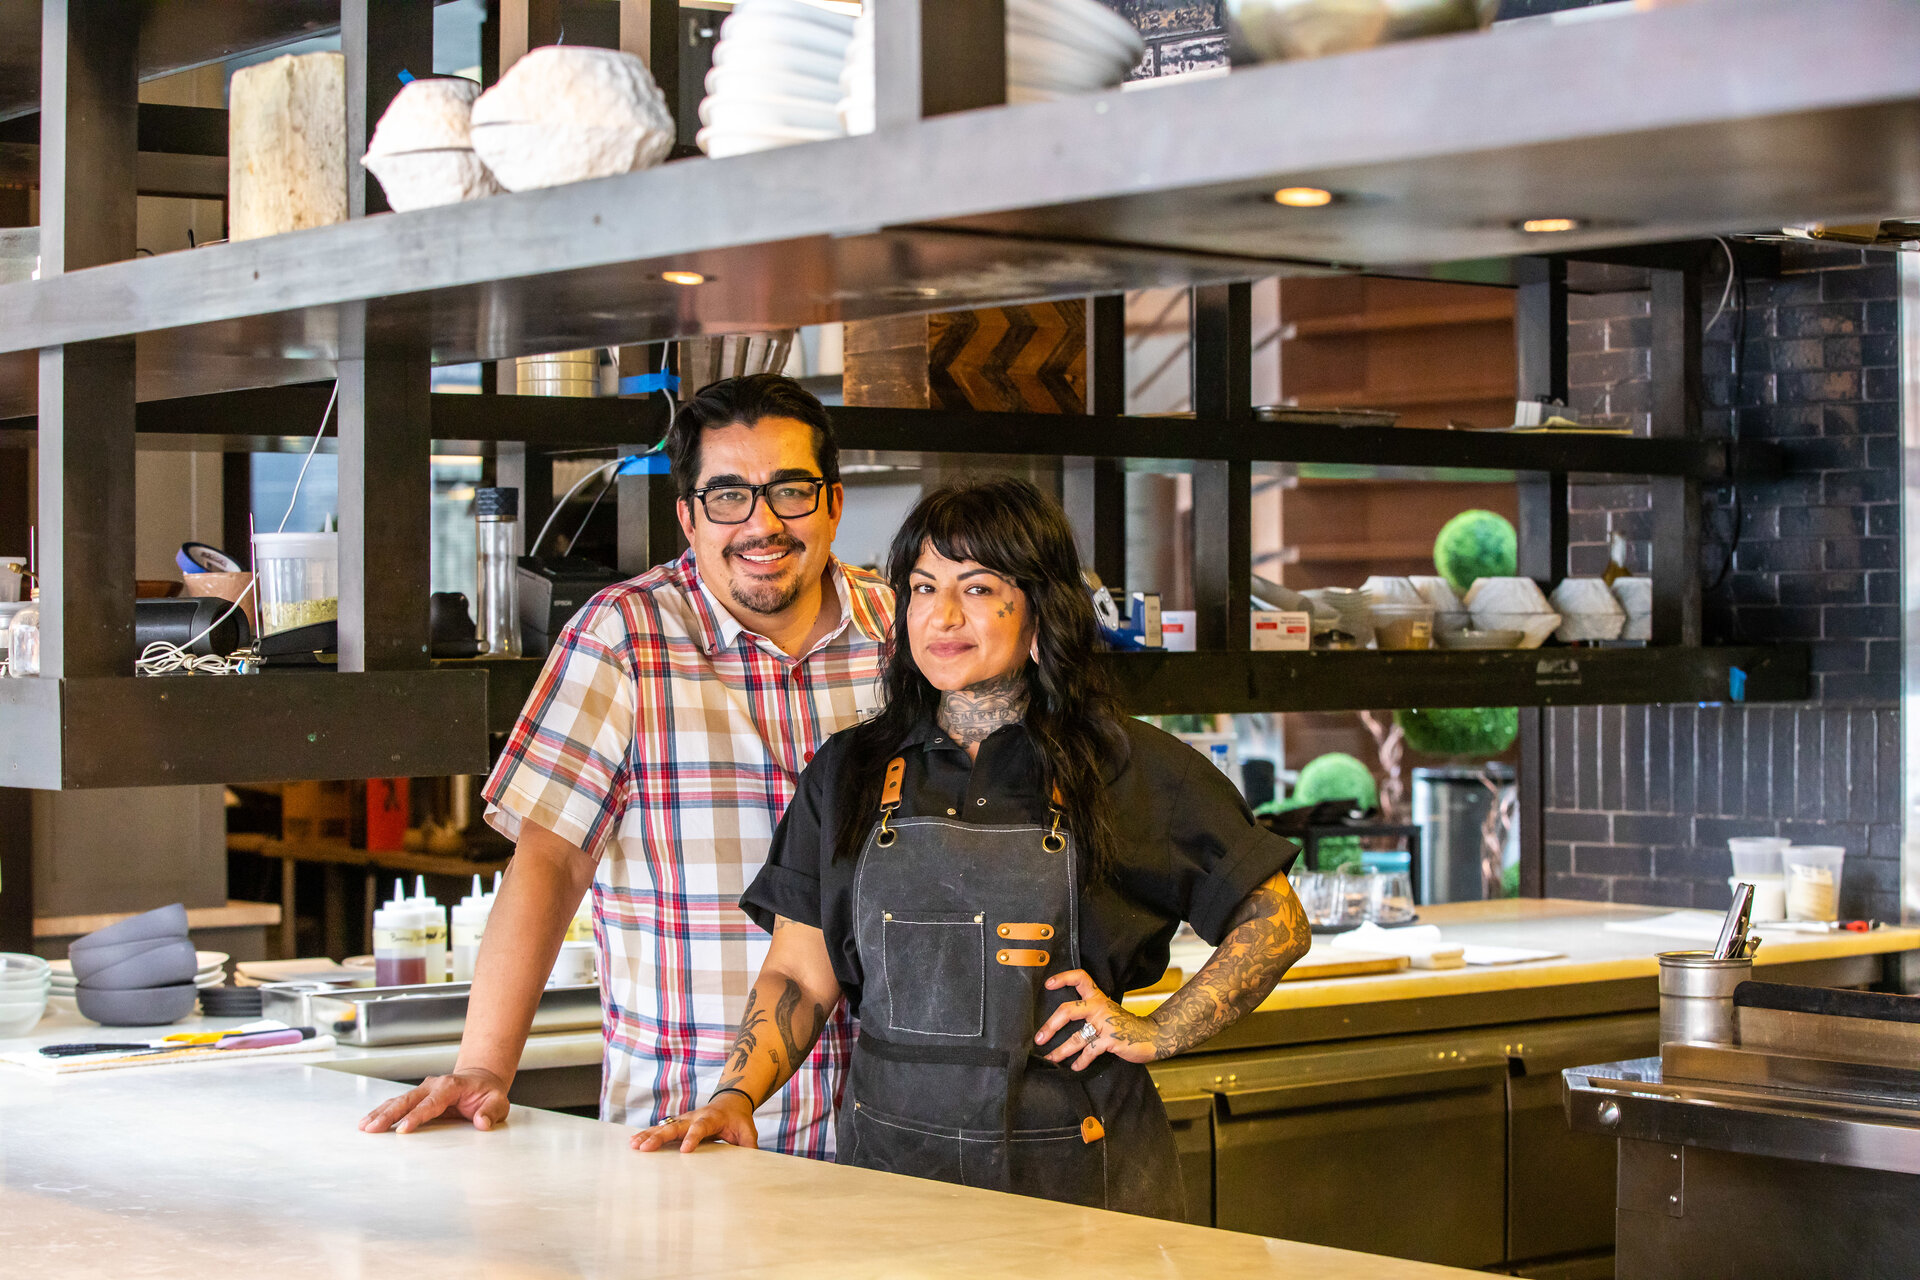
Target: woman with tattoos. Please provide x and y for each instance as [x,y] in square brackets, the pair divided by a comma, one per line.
[981,870]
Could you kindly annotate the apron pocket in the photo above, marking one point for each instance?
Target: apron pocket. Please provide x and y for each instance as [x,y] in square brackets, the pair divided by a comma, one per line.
[1057,1164]
[893,1145]
[936,968]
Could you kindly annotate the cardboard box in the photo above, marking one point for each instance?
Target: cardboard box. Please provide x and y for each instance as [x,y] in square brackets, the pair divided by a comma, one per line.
[1279,629]
[1177,628]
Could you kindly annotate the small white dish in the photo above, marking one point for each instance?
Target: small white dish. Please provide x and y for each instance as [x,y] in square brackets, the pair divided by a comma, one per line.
[772,57]
[738,112]
[724,80]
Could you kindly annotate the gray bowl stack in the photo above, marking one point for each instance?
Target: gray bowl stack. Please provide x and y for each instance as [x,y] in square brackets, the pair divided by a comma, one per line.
[137,972]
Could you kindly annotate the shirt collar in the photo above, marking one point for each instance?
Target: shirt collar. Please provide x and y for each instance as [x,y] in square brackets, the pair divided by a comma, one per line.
[719,629]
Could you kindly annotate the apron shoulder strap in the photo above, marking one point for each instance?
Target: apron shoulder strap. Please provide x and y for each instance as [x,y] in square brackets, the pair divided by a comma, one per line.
[890,789]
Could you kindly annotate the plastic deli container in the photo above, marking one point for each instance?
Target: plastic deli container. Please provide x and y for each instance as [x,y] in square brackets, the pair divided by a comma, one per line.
[299,579]
[1813,881]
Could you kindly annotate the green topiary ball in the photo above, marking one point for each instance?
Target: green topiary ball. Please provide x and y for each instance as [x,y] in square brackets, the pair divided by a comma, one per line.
[1336,776]
[1460,731]
[1474,545]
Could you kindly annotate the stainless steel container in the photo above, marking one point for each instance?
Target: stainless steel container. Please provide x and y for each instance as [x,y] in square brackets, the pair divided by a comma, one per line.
[414,1014]
[1696,996]
[732,355]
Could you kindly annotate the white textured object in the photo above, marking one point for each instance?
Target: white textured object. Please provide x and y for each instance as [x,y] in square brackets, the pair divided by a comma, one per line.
[1449,612]
[1391,590]
[1588,611]
[567,113]
[287,145]
[1512,604]
[432,113]
[423,179]
[1636,597]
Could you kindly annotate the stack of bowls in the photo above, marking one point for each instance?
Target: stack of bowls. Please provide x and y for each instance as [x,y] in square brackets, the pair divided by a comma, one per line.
[24,983]
[422,149]
[139,972]
[775,78]
[1055,49]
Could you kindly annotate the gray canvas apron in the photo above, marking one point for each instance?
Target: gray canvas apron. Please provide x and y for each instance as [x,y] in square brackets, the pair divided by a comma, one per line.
[958,927]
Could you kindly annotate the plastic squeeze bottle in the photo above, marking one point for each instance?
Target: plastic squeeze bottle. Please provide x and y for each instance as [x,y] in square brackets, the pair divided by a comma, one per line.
[399,945]
[469,926]
[433,924]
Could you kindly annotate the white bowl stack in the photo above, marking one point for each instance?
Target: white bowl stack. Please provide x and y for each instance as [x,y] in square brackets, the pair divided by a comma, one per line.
[422,149]
[567,113]
[24,984]
[776,77]
[1055,49]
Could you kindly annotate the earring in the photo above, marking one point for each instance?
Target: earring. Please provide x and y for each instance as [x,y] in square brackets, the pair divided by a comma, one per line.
[1036,651]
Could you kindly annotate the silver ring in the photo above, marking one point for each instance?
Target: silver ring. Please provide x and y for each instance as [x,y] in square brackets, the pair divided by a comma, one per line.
[1089,1032]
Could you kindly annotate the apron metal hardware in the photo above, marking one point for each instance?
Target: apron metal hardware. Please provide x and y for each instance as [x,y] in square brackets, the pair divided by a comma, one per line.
[1022,957]
[1091,1130]
[1027,932]
[1053,841]
[890,800]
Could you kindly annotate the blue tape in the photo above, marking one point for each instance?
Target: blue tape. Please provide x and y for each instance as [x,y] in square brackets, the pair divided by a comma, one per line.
[644,464]
[641,383]
[1736,684]
[406,76]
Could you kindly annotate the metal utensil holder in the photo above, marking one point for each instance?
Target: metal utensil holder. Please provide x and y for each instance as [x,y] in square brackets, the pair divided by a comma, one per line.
[1696,996]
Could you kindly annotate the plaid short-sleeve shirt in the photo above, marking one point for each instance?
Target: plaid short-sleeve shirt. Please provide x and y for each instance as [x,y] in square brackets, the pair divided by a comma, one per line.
[665,739]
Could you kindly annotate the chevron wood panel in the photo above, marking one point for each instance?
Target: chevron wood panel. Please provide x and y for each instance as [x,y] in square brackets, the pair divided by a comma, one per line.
[1031,358]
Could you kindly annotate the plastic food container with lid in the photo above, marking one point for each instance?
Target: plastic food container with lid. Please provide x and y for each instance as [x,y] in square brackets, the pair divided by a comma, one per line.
[299,575]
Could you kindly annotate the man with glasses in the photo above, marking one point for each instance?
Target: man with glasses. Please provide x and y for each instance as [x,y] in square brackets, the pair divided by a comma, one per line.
[652,762]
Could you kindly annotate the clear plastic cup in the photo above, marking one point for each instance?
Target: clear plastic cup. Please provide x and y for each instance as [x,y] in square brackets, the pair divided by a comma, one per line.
[299,579]
[1756,856]
[1389,897]
[1813,881]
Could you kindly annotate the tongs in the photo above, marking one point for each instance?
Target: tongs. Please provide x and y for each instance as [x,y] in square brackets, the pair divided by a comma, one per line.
[1735,943]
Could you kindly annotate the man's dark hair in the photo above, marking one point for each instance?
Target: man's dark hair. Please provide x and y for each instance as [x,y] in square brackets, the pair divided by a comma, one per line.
[747,400]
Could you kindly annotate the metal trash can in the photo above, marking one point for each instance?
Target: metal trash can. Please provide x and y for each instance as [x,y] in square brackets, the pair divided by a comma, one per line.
[1450,807]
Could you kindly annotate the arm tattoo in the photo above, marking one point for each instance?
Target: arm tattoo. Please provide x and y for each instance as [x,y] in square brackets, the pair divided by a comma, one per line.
[971,714]
[797,1040]
[744,1043]
[1267,934]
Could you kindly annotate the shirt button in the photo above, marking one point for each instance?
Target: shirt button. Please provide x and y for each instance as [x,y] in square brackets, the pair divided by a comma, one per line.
[952,812]
[806,757]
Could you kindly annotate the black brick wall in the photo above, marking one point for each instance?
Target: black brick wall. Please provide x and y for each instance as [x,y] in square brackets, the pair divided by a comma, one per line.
[1641,800]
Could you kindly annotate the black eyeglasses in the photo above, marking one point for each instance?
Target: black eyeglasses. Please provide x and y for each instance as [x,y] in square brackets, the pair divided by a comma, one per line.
[789,499]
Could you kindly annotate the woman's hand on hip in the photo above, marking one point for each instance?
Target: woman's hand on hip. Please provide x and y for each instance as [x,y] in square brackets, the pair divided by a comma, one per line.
[1115,1031]
[728,1118]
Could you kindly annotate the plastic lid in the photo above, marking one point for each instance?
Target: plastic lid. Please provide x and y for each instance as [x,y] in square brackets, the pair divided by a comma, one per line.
[297,546]
[496,504]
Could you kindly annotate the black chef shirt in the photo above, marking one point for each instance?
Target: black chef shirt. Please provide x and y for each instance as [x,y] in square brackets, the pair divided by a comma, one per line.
[1186,846]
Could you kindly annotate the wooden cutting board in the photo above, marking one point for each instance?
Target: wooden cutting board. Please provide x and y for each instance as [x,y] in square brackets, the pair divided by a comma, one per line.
[1320,962]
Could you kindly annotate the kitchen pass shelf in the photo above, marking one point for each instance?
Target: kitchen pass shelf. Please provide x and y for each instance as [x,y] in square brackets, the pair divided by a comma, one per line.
[1805,111]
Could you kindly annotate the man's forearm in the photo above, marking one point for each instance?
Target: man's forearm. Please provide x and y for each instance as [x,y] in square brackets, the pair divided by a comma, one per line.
[524,932]
[1270,932]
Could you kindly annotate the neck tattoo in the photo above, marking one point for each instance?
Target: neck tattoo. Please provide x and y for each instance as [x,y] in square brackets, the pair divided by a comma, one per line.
[969,715]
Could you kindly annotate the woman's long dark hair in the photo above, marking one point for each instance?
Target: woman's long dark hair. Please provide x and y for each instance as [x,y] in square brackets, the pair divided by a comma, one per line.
[1013,529]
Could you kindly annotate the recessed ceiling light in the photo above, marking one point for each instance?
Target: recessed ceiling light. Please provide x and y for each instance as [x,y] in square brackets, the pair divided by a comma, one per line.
[1546,226]
[683,277]
[1303,197]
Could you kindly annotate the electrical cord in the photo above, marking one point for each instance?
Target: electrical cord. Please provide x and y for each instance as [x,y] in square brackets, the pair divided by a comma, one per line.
[673,412]
[162,657]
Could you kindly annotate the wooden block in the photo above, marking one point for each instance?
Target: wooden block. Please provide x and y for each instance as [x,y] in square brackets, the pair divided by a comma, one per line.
[287,145]
[1002,359]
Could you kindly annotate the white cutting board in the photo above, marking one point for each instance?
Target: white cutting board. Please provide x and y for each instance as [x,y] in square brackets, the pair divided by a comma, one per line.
[1320,962]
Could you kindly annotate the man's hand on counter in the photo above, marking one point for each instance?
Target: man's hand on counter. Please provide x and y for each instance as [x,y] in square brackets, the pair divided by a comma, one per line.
[477,1094]
[728,1118]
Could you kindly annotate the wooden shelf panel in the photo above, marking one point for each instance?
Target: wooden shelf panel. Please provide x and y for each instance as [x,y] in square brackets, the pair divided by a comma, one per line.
[1494,310]
[1211,683]
[1088,195]
[166,731]
[1215,682]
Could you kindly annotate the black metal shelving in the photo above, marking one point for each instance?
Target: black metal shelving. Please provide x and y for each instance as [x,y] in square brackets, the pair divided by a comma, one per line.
[1047,200]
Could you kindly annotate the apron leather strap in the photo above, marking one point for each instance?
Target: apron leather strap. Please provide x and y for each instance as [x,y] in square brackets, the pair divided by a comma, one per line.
[890,789]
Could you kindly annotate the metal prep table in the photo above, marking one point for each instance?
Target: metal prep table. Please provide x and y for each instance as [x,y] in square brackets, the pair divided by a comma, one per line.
[1793,1153]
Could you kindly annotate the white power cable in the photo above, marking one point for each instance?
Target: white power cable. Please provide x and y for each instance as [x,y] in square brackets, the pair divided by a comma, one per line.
[1727,291]
[163,657]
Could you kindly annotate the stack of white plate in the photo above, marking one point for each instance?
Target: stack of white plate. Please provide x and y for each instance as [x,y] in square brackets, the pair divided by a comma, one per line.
[1055,49]
[25,983]
[775,78]
[63,979]
[210,968]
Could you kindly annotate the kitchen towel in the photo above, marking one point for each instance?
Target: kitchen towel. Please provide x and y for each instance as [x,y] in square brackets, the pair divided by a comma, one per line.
[1421,944]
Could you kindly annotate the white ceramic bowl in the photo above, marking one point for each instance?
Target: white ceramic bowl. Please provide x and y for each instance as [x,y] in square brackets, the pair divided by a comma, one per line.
[786,61]
[1534,627]
[748,25]
[17,1018]
[1083,22]
[723,80]
[742,114]
[800,10]
[721,143]
[1468,639]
